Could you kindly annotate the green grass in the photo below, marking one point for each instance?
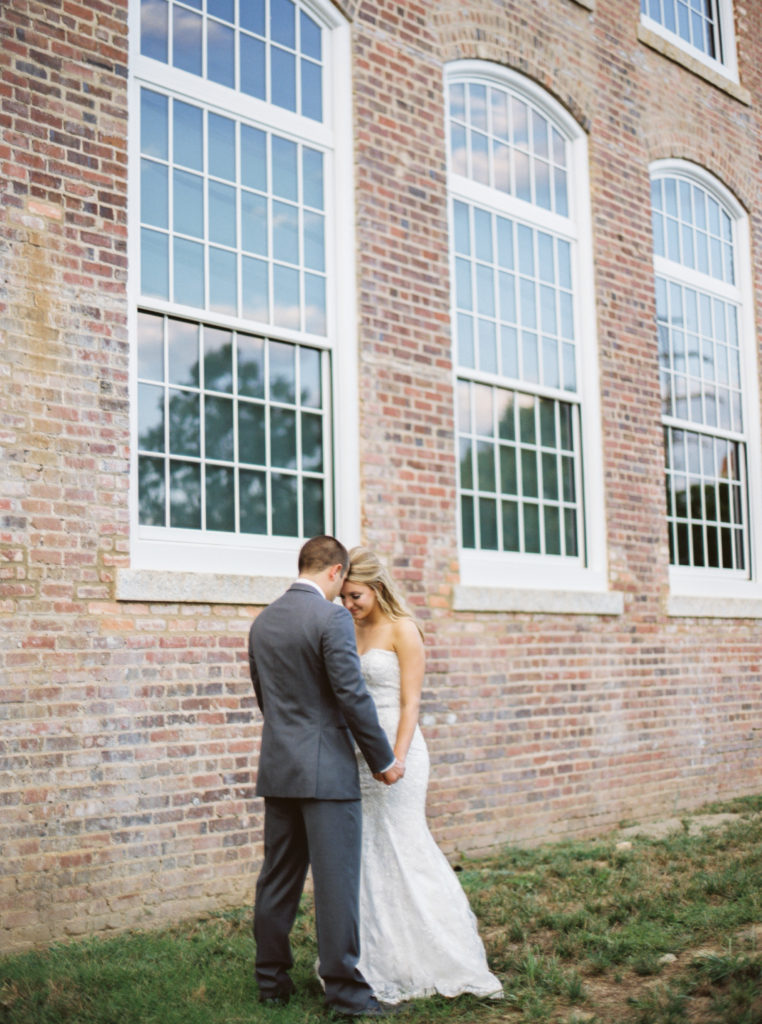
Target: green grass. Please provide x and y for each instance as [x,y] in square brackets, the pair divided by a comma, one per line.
[577,932]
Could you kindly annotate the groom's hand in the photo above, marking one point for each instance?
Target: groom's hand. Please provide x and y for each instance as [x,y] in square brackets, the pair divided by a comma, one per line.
[393,774]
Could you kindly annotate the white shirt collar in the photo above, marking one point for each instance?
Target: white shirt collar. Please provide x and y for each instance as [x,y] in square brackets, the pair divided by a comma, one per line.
[311,583]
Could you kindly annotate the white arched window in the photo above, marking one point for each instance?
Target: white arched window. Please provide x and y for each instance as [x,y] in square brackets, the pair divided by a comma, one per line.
[524,329]
[707,377]
[238,153]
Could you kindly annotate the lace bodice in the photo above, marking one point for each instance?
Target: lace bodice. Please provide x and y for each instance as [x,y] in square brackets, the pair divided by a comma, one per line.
[381,671]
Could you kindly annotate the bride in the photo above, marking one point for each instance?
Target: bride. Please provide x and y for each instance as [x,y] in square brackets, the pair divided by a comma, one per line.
[418,935]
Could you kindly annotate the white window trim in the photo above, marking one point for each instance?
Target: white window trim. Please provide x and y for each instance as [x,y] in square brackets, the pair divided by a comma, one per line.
[494,580]
[699,591]
[728,67]
[219,556]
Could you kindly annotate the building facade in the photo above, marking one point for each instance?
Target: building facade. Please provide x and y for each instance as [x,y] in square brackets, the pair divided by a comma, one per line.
[472,282]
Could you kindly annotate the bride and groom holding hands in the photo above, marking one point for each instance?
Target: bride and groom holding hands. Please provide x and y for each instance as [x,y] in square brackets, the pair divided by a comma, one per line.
[392,920]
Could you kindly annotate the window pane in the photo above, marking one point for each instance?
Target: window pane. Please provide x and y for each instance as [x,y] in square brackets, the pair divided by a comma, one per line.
[151,418]
[511,534]
[254,223]
[283,22]
[154,264]
[508,473]
[254,285]
[251,433]
[253,66]
[253,158]
[286,232]
[312,177]
[253,502]
[285,505]
[186,40]
[184,423]
[466,465]
[151,492]
[251,366]
[220,499]
[188,204]
[552,524]
[283,78]
[314,304]
[223,9]
[488,524]
[189,273]
[314,507]
[252,16]
[312,90]
[150,347]
[154,114]
[282,372]
[314,246]
[310,381]
[220,54]
[222,147]
[532,539]
[183,347]
[286,304]
[185,495]
[223,281]
[283,438]
[468,530]
[285,163]
[187,135]
[485,454]
[222,214]
[218,360]
[310,37]
[312,442]
[154,194]
[218,428]
[154,20]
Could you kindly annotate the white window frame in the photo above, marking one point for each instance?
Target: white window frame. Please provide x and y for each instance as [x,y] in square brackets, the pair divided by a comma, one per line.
[728,66]
[165,549]
[489,578]
[713,585]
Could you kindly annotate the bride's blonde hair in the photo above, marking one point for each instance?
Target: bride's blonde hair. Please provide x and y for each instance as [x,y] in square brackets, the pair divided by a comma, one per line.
[366,567]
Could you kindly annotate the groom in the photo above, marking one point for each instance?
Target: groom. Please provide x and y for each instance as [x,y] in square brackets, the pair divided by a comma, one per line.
[306,674]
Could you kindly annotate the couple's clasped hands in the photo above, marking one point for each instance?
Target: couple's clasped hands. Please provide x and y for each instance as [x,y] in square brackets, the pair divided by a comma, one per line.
[391,775]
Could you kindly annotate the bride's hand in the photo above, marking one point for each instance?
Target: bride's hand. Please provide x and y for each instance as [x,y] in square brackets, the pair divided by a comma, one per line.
[393,774]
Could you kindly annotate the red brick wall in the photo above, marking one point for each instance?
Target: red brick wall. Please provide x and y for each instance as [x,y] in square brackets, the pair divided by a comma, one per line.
[129,731]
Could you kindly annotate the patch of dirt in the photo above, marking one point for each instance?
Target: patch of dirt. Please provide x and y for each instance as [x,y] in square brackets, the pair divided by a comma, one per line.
[696,825]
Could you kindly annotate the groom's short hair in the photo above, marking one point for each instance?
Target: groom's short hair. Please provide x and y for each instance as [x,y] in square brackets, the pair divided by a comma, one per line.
[321,553]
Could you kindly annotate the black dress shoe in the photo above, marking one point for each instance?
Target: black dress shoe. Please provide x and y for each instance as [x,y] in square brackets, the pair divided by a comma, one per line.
[373,1009]
[274,998]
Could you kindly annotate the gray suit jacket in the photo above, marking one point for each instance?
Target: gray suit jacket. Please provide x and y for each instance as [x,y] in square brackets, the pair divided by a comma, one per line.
[306,675]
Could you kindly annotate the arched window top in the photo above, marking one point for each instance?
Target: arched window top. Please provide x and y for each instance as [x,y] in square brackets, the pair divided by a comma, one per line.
[271,50]
[504,135]
[692,223]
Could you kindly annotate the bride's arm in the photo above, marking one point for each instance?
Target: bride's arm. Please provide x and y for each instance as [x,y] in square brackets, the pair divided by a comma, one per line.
[409,648]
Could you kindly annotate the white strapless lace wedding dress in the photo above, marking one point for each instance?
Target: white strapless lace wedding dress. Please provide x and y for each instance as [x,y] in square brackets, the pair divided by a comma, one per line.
[418,934]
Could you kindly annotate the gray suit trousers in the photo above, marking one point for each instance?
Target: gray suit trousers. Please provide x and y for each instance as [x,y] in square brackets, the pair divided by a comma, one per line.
[327,835]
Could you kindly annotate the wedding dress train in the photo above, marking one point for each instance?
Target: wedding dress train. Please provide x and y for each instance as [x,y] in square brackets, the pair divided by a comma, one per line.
[418,934]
